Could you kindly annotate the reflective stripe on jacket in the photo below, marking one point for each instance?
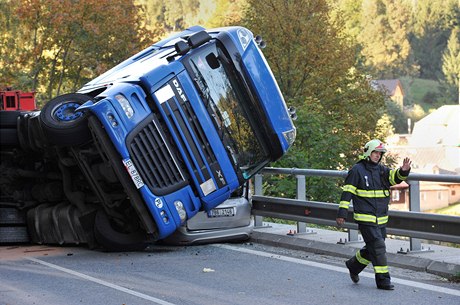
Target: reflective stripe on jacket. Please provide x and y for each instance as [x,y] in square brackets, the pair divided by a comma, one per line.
[367,185]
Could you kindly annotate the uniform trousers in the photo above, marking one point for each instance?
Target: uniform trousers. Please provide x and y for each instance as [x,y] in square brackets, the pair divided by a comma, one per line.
[373,252]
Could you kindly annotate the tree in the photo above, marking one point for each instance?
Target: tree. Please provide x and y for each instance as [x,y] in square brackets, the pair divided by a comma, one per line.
[451,66]
[65,43]
[11,72]
[397,117]
[313,62]
[350,11]
[227,13]
[432,23]
[384,127]
[384,37]
[175,16]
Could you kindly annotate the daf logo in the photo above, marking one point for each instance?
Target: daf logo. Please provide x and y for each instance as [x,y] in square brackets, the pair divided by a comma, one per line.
[220,176]
[179,90]
[159,203]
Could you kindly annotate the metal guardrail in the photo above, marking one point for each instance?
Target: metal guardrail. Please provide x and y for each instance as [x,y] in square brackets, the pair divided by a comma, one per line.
[413,223]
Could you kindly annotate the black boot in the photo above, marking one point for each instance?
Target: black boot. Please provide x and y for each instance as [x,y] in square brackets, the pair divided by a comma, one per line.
[354,277]
[386,286]
[383,281]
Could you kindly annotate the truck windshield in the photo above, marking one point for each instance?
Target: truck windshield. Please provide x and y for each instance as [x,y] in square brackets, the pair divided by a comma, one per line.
[232,110]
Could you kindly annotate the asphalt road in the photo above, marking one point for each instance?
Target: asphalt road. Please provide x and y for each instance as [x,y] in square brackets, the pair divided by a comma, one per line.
[212,274]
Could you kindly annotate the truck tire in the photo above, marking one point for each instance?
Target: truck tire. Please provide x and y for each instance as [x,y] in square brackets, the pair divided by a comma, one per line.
[61,124]
[113,241]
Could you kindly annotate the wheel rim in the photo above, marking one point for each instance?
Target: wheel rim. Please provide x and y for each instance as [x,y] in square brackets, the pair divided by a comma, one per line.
[67,112]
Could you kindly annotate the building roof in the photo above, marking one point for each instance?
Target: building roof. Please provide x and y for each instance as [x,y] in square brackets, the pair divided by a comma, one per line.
[434,145]
[441,127]
[388,86]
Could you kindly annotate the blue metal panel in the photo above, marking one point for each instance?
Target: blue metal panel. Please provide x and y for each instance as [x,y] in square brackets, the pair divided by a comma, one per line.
[268,92]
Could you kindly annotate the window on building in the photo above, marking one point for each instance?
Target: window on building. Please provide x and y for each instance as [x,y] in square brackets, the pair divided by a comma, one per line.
[423,196]
[395,195]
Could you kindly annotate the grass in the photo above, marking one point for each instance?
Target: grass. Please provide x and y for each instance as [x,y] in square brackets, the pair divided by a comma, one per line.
[453,209]
[417,90]
[455,278]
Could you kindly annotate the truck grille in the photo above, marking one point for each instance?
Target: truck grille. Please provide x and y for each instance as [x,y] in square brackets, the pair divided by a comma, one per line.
[191,137]
[155,158]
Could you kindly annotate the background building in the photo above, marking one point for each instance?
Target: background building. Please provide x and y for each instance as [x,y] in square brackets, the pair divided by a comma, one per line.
[434,148]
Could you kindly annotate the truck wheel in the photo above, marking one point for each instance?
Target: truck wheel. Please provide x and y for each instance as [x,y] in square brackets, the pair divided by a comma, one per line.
[62,125]
[114,241]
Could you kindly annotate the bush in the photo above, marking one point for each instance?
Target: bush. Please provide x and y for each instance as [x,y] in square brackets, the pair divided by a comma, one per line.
[430,98]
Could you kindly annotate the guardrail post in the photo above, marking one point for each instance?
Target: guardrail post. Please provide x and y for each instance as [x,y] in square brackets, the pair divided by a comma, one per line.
[258,220]
[414,206]
[301,195]
[353,235]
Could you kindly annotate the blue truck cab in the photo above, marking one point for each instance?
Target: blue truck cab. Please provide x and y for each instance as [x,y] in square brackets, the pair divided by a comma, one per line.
[192,118]
[173,130]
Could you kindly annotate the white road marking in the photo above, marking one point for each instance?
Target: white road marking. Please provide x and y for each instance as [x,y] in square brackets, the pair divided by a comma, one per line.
[338,269]
[101,282]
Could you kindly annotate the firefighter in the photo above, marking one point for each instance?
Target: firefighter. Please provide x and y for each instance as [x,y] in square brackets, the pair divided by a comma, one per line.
[367,186]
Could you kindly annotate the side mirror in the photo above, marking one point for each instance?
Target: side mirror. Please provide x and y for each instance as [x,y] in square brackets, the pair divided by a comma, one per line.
[198,39]
[212,61]
[181,47]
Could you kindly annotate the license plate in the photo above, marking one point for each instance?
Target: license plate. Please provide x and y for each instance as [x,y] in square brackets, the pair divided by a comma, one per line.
[133,173]
[223,212]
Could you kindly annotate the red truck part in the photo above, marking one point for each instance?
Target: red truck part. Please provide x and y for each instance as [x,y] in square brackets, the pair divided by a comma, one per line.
[13,100]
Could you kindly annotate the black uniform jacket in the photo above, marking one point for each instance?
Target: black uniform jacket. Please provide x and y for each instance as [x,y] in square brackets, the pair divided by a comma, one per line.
[367,186]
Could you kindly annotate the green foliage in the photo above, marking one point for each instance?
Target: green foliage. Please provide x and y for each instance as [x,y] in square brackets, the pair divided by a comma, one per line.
[174,16]
[432,22]
[384,127]
[65,43]
[313,62]
[449,95]
[304,47]
[385,27]
[227,13]
[416,90]
[427,94]
[55,46]
[451,58]
[452,209]
[10,70]
[397,116]
[402,37]
[171,15]
[416,113]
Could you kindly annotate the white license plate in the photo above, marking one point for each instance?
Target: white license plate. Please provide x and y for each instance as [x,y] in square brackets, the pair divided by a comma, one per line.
[133,173]
[223,212]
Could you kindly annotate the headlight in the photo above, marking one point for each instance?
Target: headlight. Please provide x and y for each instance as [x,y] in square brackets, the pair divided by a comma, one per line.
[290,136]
[124,103]
[180,210]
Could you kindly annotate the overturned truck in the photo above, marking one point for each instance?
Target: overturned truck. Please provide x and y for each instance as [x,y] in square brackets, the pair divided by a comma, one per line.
[126,160]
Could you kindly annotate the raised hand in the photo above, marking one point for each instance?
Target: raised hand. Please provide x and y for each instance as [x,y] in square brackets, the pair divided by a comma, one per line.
[406,164]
